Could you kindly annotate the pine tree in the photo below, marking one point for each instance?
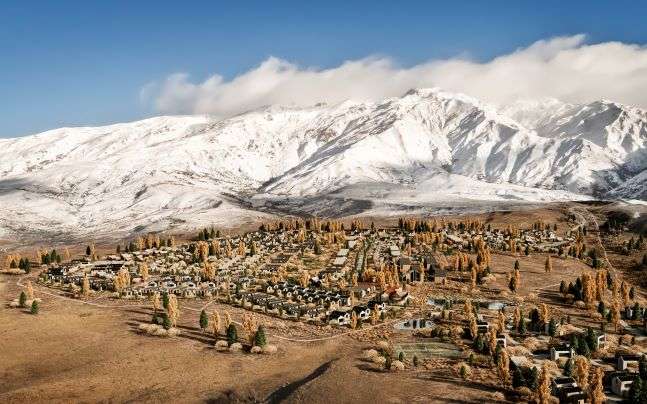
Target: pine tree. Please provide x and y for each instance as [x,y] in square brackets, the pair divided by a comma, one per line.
[34,307]
[260,339]
[637,391]
[517,379]
[533,380]
[568,367]
[22,300]
[88,250]
[522,326]
[552,327]
[204,320]
[166,321]
[232,334]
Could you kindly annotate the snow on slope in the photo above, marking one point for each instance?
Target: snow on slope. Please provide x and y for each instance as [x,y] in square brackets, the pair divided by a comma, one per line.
[188,171]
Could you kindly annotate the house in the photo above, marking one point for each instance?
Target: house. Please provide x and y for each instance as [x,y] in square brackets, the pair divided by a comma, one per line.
[561,351]
[559,383]
[482,326]
[501,340]
[601,340]
[378,306]
[339,317]
[623,361]
[437,275]
[572,395]
[363,312]
[621,383]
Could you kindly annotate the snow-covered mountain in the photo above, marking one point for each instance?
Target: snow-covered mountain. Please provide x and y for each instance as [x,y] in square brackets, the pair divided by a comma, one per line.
[426,148]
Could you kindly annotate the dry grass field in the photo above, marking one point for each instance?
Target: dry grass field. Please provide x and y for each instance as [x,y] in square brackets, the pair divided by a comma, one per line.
[77,352]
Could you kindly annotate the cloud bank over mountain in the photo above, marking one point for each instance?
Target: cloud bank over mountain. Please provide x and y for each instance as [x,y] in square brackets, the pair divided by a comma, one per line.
[567,68]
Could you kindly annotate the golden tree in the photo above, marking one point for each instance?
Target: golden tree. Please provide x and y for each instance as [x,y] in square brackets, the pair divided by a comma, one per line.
[250,325]
[85,287]
[615,313]
[228,320]
[215,323]
[353,320]
[543,390]
[517,316]
[625,293]
[588,289]
[121,280]
[492,343]
[581,371]
[544,313]
[596,389]
[155,300]
[173,310]
[548,265]
[375,316]
[500,322]
[601,284]
[143,271]
[503,367]
[208,270]
[29,290]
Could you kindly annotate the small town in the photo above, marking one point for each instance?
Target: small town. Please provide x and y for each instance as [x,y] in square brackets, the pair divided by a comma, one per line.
[421,291]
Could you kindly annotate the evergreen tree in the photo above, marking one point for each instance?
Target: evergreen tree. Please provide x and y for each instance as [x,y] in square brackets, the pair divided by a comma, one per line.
[522,326]
[637,391]
[22,300]
[166,321]
[88,250]
[516,264]
[204,320]
[533,380]
[552,327]
[260,339]
[34,307]
[232,334]
[642,368]
[517,379]
[165,300]
[568,367]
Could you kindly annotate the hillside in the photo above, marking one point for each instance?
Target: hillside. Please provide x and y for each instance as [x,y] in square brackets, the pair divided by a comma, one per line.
[424,150]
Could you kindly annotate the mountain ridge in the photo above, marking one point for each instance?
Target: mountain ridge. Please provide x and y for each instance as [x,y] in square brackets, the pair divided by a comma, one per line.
[181,171]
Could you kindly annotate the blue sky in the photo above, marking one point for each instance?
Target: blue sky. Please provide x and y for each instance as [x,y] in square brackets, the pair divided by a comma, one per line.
[69,63]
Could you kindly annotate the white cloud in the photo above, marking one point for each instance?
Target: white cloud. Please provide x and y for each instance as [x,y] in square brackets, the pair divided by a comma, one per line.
[564,67]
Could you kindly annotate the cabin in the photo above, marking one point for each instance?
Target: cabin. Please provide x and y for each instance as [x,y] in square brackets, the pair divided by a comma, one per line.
[572,395]
[624,361]
[337,317]
[558,383]
[621,383]
[362,312]
[561,351]
[380,307]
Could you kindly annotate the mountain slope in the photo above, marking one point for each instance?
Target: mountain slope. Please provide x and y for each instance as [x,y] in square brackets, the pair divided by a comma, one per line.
[425,147]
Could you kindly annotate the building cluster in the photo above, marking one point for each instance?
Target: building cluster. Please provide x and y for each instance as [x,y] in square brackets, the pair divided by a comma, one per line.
[322,277]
